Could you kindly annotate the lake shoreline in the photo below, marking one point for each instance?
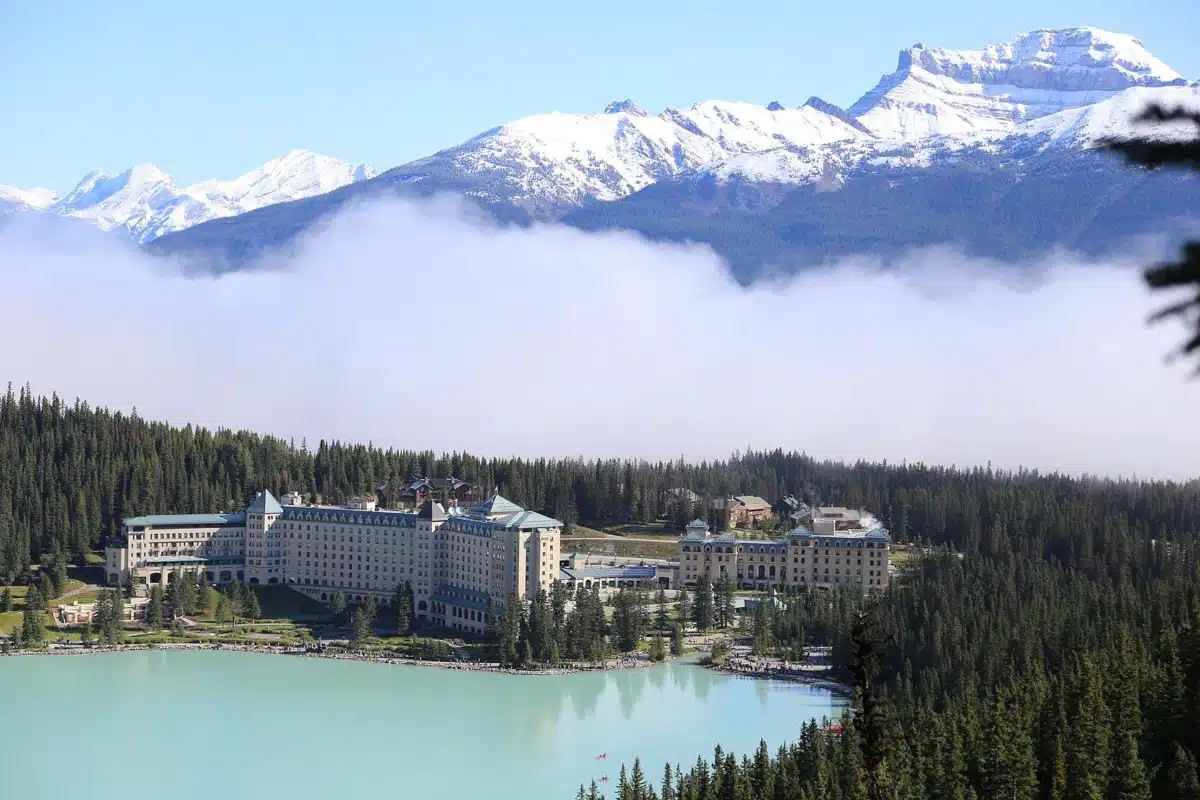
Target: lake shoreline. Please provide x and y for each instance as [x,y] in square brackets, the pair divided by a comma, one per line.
[766,671]
[336,654]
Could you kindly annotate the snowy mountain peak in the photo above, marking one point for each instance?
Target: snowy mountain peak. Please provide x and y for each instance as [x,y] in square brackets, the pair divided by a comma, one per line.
[36,199]
[296,174]
[936,91]
[826,107]
[145,202]
[625,107]
[102,194]
[1067,59]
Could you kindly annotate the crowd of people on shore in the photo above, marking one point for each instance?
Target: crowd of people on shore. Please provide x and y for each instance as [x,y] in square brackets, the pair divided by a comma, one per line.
[779,669]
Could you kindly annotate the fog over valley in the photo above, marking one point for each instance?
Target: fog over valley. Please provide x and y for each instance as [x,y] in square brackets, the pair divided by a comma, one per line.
[418,326]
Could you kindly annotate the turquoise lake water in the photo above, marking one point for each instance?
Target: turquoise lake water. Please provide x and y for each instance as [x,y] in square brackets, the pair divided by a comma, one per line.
[183,725]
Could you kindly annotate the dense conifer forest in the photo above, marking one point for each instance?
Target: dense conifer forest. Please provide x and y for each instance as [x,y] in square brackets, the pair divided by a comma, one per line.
[1047,646]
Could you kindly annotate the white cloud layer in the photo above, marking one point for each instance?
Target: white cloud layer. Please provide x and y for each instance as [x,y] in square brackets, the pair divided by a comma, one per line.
[412,326]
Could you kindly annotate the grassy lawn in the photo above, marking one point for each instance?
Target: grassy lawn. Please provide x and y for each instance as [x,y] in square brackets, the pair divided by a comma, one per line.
[8,619]
[13,618]
[582,530]
[280,602]
[82,597]
[901,556]
[658,528]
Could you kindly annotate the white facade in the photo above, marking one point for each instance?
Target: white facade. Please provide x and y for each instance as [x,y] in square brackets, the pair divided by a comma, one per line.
[460,566]
[842,547]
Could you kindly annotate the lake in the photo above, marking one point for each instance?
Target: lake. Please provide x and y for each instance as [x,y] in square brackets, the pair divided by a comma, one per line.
[204,724]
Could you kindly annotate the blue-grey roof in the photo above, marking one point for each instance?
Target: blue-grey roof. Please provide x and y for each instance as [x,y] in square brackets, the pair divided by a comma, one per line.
[528,519]
[875,534]
[697,525]
[461,597]
[692,536]
[431,511]
[186,520]
[187,561]
[604,573]
[496,506]
[265,503]
[476,526]
[350,516]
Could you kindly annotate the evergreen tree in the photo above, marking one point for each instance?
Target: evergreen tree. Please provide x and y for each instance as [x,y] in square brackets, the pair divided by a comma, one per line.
[370,609]
[114,622]
[702,608]
[402,604]
[207,600]
[658,651]
[510,631]
[764,631]
[6,600]
[676,640]
[86,634]
[1183,775]
[174,596]
[683,608]
[46,586]
[724,611]
[628,620]
[360,625]
[189,594]
[224,610]
[667,791]
[252,610]
[58,573]
[870,717]
[660,614]
[638,788]
[154,611]
[33,628]
[337,607]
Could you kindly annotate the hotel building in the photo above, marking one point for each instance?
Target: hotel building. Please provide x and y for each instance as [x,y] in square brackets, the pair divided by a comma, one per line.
[459,563]
[831,547]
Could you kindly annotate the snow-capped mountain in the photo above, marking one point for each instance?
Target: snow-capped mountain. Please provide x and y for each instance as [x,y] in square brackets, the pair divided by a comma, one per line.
[549,163]
[1080,128]
[955,92]
[1114,118]
[1010,120]
[12,199]
[145,202]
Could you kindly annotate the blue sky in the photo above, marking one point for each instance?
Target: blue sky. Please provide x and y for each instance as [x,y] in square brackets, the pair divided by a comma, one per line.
[213,89]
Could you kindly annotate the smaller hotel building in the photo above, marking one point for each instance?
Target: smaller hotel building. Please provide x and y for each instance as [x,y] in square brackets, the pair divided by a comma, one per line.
[832,547]
[460,564]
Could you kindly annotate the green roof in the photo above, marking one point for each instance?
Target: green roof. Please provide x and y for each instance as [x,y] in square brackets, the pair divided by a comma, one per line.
[496,506]
[265,503]
[180,520]
[528,519]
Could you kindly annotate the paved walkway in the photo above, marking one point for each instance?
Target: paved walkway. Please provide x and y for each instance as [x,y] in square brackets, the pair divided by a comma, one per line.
[616,537]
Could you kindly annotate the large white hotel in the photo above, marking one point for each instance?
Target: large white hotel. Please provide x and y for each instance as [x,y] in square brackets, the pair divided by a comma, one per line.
[830,548]
[458,562]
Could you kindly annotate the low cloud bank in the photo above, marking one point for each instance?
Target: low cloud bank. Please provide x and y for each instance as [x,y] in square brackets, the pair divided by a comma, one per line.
[417,326]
